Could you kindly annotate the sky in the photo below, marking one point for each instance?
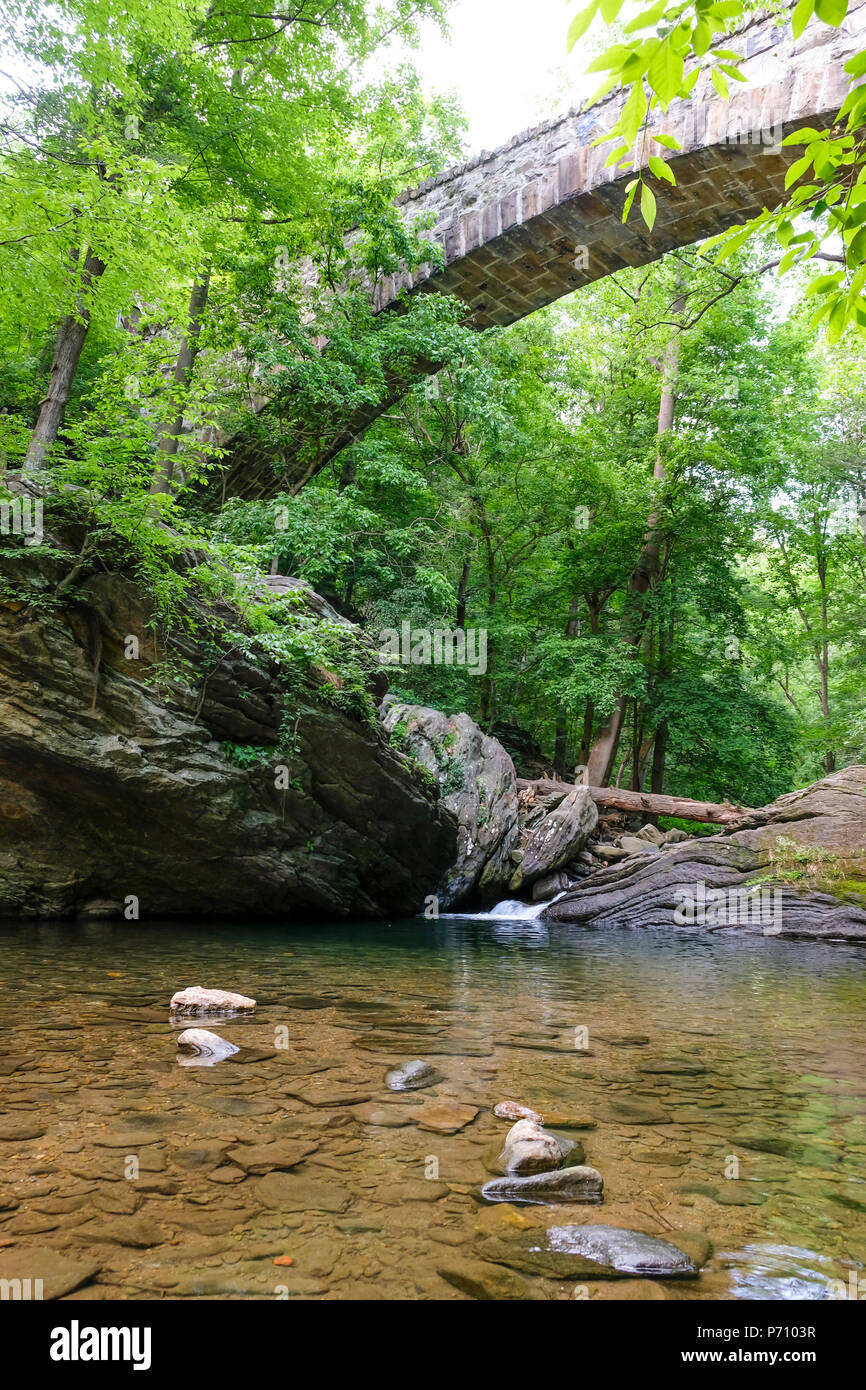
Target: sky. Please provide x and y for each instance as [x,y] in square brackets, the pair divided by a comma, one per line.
[507,62]
[505,59]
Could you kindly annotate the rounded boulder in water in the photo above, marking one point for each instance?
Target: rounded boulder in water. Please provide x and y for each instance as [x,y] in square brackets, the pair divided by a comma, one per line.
[199,1048]
[412,1076]
[530,1149]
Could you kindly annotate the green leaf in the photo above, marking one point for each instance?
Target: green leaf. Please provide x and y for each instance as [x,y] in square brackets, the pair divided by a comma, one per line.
[855,254]
[629,199]
[837,320]
[854,106]
[732,242]
[661,168]
[797,170]
[614,57]
[720,84]
[610,9]
[647,19]
[831,11]
[804,136]
[669,142]
[647,205]
[801,16]
[581,22]
[665,74]
[701,38]
[633,113]
[822,283]
[607,86]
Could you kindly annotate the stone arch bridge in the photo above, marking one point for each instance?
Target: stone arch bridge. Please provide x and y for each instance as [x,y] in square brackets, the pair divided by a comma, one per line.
[541,216]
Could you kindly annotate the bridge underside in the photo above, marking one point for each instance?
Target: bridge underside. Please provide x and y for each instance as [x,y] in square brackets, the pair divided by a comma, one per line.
[534,262]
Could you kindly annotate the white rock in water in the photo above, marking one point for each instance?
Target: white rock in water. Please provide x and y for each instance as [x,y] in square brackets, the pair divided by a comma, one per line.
[203,1048]
[510,1110]
[196,1000]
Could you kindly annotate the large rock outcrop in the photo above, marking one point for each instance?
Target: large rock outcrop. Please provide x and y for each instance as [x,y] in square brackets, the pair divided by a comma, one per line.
[554,829]
[808,848]
[149,786]
[478,785]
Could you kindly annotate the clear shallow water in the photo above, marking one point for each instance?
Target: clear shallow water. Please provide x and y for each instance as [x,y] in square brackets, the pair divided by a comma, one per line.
[703,1054]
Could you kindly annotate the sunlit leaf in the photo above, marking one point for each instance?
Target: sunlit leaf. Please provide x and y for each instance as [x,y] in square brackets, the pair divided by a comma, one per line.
[647,205]
[580,23]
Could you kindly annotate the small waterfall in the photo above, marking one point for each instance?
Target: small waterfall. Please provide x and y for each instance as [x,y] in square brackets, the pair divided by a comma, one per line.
[509,910]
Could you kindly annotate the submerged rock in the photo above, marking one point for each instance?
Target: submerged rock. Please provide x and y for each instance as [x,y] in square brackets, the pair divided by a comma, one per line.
[578,1184]
[445,1117]
[487,1282]
[276,1156]
[589,1251]
[284,1192]
[628,1252]
[630,1110]
[196,1000]
[384,1116]
[200,1048]
[412,1076]
[52,1272]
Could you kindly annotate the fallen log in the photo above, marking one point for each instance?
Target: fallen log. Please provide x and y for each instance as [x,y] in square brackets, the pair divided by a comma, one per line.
[643,803]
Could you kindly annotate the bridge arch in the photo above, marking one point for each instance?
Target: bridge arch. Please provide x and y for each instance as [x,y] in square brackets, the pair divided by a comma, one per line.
[511,221]
[538,218]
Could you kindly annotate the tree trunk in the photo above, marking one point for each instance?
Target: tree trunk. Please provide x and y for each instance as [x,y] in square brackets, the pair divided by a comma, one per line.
[823,659]
[643,803]
[560,747]
[603,754]
[645,573]
[586,740]
[486,703]
[660,748]
[170,434]
[68,345]
[665,666]
[462,590]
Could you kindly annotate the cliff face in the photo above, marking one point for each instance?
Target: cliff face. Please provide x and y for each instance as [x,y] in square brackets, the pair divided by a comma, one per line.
[115,783]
